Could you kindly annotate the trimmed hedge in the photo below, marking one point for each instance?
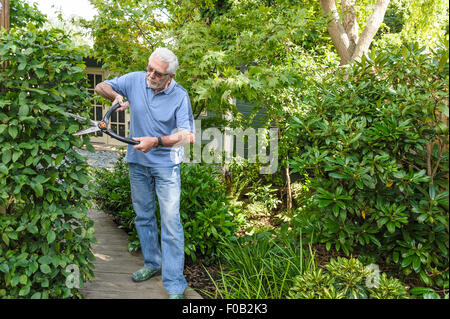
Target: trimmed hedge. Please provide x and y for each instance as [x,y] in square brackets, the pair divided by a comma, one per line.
[45,234]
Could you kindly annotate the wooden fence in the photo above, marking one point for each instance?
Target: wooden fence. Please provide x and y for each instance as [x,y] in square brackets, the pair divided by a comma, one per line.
[4,14]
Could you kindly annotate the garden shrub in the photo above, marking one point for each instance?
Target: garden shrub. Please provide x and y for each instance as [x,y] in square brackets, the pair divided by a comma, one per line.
[44,226]
[300,191]
[264,194]
[346,278]
[244,180]
[374,144]
[205,210]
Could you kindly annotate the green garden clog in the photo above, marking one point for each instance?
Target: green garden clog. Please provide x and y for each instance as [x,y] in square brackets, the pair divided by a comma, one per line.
[144,274]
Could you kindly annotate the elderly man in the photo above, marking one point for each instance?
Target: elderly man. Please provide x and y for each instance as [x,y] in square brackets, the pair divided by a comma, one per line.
[161,120]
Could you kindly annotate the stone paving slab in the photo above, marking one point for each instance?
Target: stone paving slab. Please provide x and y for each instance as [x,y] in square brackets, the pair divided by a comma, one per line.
[114,266]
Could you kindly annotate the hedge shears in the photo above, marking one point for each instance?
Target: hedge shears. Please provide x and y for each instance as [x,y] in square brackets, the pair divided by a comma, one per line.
[103,126]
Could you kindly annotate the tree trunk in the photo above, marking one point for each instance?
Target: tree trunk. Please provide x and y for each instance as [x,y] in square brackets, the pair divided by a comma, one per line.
[345,35]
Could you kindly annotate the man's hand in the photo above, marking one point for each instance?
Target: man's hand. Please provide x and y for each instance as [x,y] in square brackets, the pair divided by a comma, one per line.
[106,91]
[146,143]
[123,105]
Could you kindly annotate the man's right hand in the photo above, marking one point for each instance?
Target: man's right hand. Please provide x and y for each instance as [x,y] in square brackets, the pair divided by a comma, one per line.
[123,105]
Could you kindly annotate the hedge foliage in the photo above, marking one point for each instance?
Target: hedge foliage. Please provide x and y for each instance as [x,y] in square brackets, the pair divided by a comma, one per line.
[43,223]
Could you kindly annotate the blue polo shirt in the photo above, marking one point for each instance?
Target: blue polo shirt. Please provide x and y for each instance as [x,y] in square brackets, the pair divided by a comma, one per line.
[151,114]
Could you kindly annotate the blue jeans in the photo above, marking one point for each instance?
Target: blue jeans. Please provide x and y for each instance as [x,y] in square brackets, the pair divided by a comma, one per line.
[169,257]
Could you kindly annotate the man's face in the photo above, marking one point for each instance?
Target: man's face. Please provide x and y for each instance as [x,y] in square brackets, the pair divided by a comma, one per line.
[156,73]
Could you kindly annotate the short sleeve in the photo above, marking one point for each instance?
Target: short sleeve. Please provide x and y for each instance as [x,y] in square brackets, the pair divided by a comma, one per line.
[120,84]
[185,119]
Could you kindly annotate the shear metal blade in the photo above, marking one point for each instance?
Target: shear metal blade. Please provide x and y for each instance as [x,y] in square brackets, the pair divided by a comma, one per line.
[82,119]
[77,117]
[87,131]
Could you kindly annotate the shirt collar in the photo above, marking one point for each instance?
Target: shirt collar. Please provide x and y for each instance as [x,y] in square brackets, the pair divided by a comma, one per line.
[168,90]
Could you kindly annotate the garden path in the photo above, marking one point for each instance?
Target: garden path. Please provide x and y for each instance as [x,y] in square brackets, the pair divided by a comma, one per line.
[114,266]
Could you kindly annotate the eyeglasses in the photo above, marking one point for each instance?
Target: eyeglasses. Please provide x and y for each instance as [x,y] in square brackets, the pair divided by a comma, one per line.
[157,74]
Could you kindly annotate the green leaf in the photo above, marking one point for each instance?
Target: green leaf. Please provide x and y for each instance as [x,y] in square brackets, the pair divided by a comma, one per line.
[396,256]
[51,236]
[338,176]
[24,110]
[324,202]
[36,295]
[33,267]
[416,264]
[425,278]
[336,210]
[15,281]
[407,261]
[72,128]
[16,156]
[391,227]
[49,197]
[444,109]
[4,268]
[59,159]
[13,131]
[5,239]
[6,156]
[443,61]
[404,52]
[45,283]
[44,260]
[32,229]
[420,290]
[38,189]
[24,291]
[3,169]
[45,269]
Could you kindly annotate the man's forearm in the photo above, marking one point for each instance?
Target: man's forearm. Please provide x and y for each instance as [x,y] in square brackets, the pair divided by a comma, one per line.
[178,139]
[106,91]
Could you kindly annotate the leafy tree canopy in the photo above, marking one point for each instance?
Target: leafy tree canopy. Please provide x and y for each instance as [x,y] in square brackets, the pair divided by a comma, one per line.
[241,49]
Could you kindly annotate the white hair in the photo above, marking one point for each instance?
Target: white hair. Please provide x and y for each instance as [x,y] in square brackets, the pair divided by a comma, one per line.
[168,56]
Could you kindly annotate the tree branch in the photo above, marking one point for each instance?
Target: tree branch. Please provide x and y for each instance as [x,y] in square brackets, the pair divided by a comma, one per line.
[337,32]
[350,23]
[372,26]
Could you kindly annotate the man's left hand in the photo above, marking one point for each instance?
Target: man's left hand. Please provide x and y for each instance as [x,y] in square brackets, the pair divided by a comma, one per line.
[146,143]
